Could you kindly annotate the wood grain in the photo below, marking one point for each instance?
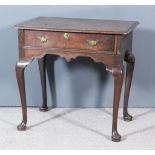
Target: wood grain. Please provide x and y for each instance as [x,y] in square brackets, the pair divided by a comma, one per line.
[79,25]
[114,45]
[75,40]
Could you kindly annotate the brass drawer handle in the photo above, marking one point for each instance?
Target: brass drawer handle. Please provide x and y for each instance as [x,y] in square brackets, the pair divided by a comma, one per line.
[43,39]
[92,42]
[66,36]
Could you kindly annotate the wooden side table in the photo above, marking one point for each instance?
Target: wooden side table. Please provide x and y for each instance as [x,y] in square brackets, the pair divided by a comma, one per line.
[104,41]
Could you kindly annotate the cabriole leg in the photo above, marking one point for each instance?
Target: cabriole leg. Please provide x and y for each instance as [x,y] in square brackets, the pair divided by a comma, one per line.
[42,69]
[118,80]
[130,61]
[20,67]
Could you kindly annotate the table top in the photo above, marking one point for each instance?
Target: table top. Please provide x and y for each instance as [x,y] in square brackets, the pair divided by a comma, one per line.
[79,25]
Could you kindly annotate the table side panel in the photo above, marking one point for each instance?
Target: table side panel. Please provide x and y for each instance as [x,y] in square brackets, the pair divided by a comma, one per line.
[125,44]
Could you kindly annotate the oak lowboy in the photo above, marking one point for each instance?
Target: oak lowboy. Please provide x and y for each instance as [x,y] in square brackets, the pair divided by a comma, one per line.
[104,41]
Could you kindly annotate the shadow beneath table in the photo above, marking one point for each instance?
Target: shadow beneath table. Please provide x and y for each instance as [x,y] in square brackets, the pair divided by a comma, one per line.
[139,131]
[85,127]
[134,116]
[7,122]
[68,111]
[144,113]
[72,122]
[109,113]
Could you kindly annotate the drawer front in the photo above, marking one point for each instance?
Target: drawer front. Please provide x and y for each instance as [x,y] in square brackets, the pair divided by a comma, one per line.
[47,40]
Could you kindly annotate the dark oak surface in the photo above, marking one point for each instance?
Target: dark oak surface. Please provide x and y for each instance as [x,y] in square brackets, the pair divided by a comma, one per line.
[105,41]
[74,41]
[79,25]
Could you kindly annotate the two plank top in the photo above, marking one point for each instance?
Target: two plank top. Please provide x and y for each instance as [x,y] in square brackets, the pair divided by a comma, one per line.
[79,25]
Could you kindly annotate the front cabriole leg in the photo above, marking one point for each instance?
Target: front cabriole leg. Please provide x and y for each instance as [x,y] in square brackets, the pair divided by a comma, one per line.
[118,74]
[20,67]
[130,61]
